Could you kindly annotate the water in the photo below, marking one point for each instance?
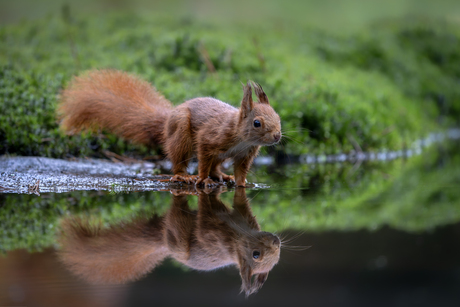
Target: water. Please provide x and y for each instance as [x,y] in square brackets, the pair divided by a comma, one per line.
[354,233]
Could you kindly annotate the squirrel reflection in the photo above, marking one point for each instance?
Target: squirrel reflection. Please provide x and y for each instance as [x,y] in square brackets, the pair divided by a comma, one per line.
[207,239]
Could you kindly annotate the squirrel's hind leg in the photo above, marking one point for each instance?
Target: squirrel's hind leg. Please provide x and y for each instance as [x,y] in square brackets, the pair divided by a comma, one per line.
[179,149]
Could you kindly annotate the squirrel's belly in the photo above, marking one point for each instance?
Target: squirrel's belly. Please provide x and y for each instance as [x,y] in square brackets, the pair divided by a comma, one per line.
[207,264]
[239,150]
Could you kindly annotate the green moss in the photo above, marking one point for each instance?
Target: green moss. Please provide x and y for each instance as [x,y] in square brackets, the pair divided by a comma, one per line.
[420,57]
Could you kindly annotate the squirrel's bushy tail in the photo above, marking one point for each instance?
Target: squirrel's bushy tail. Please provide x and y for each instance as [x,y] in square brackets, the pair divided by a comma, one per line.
[111,255]
[117,102]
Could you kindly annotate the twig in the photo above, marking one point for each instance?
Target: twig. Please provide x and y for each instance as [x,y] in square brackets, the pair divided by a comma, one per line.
[207,60]
[260,56]
[35,189]
[68,21]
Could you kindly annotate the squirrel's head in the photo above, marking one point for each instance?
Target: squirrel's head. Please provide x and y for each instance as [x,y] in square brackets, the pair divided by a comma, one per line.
[256,257]
[260,123]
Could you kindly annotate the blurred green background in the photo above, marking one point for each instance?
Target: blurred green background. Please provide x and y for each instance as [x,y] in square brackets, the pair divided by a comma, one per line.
[332,15]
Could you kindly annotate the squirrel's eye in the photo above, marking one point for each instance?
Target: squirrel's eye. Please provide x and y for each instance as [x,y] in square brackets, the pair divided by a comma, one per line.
[256,123]
[255,254]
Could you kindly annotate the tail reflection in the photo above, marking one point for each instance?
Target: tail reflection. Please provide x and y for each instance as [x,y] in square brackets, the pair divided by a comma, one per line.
[207,239]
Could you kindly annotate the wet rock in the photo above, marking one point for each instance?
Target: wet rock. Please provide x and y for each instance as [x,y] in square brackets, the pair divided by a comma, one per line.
[41,175]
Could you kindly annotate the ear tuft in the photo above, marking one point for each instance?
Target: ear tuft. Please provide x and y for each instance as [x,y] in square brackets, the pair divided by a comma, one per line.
[262,97]
[251,283]
[250,287]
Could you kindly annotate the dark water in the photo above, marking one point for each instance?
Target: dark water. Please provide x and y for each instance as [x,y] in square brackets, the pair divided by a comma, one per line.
[367,234]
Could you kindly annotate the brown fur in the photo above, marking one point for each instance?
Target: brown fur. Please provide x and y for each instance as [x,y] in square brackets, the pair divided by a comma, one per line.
[211,238]
[206,127]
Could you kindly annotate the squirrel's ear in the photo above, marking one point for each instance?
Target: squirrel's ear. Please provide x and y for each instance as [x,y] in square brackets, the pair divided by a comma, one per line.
[259,280]
[247,104]
[260,93]
[246,276]
[250,287]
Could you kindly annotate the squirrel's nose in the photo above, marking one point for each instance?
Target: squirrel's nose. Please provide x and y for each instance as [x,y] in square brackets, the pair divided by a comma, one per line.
[277,136]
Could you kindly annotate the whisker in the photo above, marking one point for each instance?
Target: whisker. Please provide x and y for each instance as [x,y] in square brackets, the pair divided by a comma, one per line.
[291,252]
[299,128]
[186,160]
[293,139]
[281,237]
[295,248]
[244,148]
[286,155]
[295,237]
[285,242]
[290,240]
[250,199]
[245,231]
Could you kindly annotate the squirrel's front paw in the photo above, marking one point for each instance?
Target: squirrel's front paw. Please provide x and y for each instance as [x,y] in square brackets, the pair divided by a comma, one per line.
[228,178]
[206,182]
[221,177]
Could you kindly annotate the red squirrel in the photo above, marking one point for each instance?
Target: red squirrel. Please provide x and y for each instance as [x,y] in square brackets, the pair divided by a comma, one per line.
[207,239]
[206,127]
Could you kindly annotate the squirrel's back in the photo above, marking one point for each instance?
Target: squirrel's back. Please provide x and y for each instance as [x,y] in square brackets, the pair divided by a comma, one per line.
[116,101]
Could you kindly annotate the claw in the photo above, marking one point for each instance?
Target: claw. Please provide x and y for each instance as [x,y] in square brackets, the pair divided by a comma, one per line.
[228,178]
[206,182]
[221,177]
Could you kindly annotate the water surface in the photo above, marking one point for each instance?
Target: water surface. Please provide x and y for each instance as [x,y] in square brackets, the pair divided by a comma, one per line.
[379,233]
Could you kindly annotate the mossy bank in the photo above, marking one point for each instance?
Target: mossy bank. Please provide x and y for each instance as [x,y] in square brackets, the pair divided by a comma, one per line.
[380,88]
